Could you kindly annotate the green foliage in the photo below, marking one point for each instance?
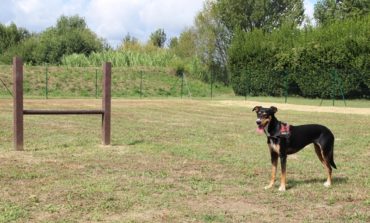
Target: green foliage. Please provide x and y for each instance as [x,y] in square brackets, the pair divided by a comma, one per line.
[212,39]
[327,11]
[139,56]
[122,58]
[251,14]
[217,23]
[11,35]
[158,38]
[70,35]
[311,62]
[67,82]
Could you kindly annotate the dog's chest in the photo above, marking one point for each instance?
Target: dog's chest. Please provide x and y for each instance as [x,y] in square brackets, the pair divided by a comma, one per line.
[274,146]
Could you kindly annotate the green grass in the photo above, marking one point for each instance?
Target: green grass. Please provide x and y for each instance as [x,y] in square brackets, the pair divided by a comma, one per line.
[175,161]
[77,82]
[128,82]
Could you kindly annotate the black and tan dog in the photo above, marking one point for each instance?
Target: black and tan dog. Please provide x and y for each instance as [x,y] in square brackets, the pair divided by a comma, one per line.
[284,139]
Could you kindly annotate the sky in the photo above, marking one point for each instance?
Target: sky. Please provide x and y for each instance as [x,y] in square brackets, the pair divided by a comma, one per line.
[110,19]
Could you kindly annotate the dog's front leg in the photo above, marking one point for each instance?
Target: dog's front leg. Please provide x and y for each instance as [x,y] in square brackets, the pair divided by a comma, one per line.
[283,158]
[274,162]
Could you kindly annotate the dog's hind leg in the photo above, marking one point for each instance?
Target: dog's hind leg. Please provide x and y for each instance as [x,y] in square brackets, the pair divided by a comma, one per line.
[326,161]
[318,153]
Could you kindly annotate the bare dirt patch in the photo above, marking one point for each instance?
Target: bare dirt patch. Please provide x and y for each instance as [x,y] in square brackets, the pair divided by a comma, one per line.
[304,108]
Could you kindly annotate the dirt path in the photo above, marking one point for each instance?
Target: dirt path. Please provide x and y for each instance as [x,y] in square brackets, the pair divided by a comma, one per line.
[305,108]
[249,104]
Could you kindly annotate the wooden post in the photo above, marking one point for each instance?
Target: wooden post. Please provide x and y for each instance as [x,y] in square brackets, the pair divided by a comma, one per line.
[106,125]
[18,103]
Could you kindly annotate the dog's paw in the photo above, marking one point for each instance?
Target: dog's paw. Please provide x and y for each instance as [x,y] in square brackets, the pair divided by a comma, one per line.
[282,188]
[268,186]
[327,184]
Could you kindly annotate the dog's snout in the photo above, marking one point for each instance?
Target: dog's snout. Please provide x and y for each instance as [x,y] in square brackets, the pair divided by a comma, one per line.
[258,121]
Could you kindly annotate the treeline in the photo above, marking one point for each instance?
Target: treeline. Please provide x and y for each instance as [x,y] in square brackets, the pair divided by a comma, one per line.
[70,35]
[259,47]
[322,61]
[70,42]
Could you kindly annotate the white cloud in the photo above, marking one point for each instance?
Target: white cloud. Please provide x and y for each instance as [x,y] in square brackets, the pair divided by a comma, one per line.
[113,19]
[110,19]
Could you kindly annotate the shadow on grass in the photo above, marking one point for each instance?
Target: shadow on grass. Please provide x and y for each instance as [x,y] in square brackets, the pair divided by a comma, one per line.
[135,142]
[336,180]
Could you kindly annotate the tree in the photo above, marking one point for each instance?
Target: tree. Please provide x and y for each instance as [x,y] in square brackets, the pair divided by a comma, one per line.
[158,38]
[174,42]
[128,39]
[70,35]
[217,23]
[327,11]
[185,47]
[212,42]
[11,35]
[262,14]
[129,42]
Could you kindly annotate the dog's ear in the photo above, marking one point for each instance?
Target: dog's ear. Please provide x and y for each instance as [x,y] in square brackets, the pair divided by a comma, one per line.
[257,108]
[274,109]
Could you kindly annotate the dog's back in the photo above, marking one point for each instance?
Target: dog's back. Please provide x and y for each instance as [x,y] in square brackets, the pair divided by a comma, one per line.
[302,135]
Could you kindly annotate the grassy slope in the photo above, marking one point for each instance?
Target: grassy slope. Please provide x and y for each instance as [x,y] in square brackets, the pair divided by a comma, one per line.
[157,83]
[175,161]
[80,82]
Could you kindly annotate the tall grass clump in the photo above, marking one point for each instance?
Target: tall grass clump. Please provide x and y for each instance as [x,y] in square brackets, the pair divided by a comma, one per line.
[121,59]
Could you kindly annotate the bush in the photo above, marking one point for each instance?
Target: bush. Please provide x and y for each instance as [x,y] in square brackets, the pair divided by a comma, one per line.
[312,62]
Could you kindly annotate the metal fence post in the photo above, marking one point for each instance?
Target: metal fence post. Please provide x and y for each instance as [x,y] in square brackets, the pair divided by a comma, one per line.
[18,103]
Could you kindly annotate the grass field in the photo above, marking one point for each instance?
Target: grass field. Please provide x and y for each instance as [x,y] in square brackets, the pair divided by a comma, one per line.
[128,82]
[176,161]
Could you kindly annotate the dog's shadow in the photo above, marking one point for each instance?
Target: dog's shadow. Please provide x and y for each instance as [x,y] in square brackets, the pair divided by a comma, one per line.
[336,180]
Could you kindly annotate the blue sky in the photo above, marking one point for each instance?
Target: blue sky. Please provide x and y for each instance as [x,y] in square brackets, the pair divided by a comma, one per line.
[110,19]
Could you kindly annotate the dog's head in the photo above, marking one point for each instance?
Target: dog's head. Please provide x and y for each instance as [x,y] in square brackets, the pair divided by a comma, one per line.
[264,116]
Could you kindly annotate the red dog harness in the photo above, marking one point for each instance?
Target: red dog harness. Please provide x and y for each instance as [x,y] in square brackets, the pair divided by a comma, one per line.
[284,129]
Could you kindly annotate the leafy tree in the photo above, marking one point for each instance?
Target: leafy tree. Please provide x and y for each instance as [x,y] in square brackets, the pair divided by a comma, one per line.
[217,23]
[129,40]
[327,11]
[11,35]
[212,43]
[186,44]
[174,42]
[158,38]
[70,35]
[130,43]
[261,14]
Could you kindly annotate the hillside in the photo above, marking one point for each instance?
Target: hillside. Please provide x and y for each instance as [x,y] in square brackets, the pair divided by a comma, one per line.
[65,82]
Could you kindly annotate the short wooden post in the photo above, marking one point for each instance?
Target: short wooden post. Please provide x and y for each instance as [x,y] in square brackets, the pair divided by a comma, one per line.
[106,125]
[18,103]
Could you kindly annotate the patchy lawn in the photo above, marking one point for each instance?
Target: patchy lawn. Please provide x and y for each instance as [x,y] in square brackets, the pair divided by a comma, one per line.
[176,161]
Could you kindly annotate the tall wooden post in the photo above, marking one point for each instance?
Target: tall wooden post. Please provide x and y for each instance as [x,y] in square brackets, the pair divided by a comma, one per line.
[18,103]
[106,126]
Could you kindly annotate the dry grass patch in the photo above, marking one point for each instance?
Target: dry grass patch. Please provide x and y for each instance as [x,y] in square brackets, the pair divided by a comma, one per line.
[174,161]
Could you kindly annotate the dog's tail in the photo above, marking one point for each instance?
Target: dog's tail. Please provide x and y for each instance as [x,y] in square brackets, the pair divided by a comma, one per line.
[331,156]
[331,161]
